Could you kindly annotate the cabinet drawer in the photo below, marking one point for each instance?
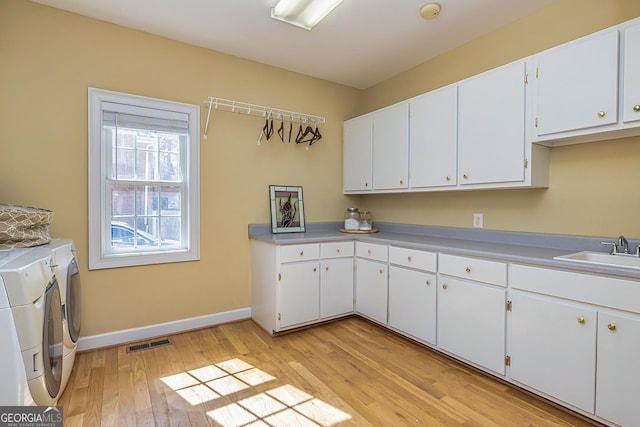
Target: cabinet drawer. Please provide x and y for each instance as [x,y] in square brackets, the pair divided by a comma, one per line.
[610,292]
[481,270]
[336,249]
[371,251]
[413,258]
[293,253]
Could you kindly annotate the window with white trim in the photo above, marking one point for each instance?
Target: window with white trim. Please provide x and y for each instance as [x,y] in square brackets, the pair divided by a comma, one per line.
[144,205]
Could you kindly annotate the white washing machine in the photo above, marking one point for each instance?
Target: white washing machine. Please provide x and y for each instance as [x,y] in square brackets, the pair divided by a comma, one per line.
[65,269]
[14,389]
[34,297]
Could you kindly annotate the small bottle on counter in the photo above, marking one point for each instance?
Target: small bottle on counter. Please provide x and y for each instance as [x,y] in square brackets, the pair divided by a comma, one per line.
[352,219]
[366,220]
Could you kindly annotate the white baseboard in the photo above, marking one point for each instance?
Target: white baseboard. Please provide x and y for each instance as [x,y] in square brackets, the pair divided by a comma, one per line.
[146,332]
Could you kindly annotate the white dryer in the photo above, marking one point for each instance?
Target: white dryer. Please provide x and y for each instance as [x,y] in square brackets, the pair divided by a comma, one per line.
[14,389]
[65,269]
[34,297]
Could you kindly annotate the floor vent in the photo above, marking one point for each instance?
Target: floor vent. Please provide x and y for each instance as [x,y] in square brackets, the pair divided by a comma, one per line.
[146,345]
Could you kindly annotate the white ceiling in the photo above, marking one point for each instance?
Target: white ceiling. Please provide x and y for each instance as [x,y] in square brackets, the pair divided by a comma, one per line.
[361,43]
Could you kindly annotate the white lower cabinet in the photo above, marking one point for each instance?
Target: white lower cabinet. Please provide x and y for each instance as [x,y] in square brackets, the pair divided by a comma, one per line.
[553,348]
[412,293]
[576,337]
[298,285]
[371,289]
[336,279]
[412,303]
[618,369]
[471,311]
[298,293]
[471,322]
[371,281]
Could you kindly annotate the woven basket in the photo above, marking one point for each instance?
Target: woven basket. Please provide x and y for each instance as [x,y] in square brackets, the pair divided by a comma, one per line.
[24,226]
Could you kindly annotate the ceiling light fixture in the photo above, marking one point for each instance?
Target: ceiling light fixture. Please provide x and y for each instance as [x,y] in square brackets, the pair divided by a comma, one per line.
[303,13]
[430,10]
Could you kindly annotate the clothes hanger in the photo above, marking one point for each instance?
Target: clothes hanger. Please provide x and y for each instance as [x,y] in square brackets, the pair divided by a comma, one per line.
[268,131]
[290,128]
[281,129]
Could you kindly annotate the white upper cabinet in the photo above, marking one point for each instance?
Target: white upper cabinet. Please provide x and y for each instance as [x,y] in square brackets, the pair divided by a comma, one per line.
[491,114]
[577,85]
[376,150]
[391,147]
[631,94]
[357,153]
[433,138]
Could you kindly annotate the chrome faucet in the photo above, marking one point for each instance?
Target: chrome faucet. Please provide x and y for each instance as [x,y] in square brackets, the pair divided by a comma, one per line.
[622,242]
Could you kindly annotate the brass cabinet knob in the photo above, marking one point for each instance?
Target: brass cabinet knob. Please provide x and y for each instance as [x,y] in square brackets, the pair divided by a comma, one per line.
[444,286]
[326,268]
[337,251]
[468,269]
[448,178]
[366,184]
[381,271]
[636,108]
[465,176]
[401,182]
[601,114]
[581,320]
[428,282]
[408,259]
[369,251]
[611,326]
[315,269]
[301,253]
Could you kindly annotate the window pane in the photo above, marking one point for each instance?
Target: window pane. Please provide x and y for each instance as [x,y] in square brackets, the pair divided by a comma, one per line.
[122,200]
[170,200]
[147,232]
[170,230]
[169,166]
[123,163]
[147,200]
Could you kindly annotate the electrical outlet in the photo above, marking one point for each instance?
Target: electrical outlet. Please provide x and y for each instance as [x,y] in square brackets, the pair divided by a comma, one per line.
[477,220]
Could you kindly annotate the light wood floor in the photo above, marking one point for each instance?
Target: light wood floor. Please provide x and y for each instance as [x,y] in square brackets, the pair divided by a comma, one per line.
[346,373]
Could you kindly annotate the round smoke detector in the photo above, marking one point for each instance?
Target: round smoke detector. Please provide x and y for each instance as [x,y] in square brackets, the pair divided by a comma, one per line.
[430,10]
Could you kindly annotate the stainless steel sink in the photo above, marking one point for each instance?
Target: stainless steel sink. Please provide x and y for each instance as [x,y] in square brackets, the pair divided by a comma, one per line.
[599,258]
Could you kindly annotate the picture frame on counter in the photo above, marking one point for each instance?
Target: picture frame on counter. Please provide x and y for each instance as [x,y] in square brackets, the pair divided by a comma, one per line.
[287,209]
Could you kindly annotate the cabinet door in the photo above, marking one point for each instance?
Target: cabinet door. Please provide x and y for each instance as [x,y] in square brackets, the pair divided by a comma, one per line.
[618,372]
[471,322]
[577,85]
[357,151]
[298,298]
[412,303]
[491,127]
[631,100]
[433,138]
[553,348]
[391,147]
[336,287]
[371,289]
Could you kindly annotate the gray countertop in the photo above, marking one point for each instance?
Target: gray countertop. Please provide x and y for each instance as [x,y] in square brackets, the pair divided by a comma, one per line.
[526,248]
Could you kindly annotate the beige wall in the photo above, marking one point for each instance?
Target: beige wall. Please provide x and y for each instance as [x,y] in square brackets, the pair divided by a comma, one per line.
[594,187]
[48,58]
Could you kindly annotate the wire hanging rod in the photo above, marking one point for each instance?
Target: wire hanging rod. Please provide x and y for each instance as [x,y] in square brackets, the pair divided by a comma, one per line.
[221,104]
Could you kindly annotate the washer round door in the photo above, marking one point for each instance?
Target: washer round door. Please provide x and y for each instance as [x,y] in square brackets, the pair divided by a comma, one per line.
[52,346]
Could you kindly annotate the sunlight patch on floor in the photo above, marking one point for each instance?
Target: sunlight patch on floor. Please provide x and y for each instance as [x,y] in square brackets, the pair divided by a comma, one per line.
[284,405]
